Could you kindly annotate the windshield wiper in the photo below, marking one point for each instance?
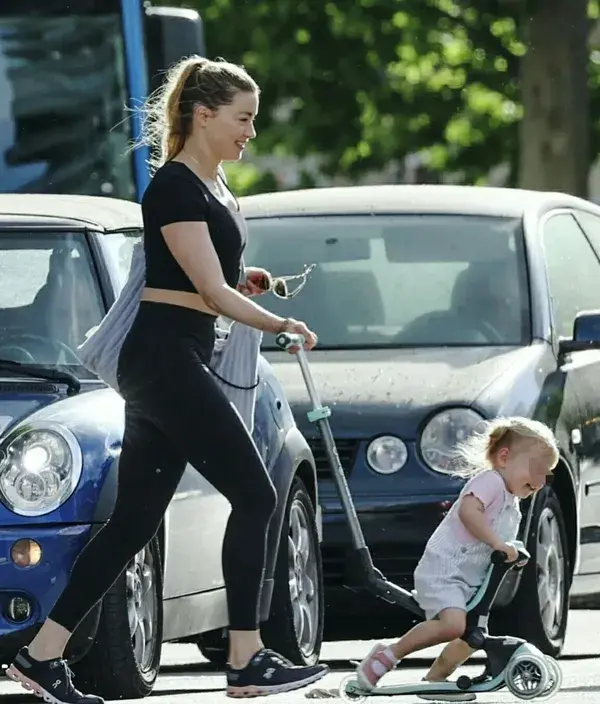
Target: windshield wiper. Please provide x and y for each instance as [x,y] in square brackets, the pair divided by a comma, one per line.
[39,372]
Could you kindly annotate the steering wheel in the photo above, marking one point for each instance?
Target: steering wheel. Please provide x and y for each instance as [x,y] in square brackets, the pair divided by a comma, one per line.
[493,336]
[57,345]
[440,323]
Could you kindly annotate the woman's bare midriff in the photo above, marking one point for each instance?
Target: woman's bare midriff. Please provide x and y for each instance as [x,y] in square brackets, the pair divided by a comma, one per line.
[177,298]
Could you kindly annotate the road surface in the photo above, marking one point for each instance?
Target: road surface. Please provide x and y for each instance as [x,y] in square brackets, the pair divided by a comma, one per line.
[186,678]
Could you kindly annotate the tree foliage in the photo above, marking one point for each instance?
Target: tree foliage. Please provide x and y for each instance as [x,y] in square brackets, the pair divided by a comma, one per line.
[368,82]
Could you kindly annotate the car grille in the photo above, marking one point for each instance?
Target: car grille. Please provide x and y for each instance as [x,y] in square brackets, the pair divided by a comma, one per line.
[346,450]
[397,567]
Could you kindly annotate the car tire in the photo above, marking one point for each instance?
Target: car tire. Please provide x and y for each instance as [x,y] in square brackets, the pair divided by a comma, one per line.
[214,645]
[542,624]
[295,625]
[124,661]
[280,632]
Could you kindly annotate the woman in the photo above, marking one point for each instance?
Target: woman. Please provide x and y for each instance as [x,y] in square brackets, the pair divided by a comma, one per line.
[174,411]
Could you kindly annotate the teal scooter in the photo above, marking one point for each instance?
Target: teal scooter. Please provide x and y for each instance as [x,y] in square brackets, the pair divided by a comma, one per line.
[510,662]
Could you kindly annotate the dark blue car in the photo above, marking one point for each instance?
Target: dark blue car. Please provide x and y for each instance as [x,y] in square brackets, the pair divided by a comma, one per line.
[437,306]
[63,260]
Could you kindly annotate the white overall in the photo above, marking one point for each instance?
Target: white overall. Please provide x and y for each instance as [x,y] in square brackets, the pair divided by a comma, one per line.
[450,572]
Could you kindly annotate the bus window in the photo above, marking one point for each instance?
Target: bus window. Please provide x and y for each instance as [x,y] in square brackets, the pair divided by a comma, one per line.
[63,126]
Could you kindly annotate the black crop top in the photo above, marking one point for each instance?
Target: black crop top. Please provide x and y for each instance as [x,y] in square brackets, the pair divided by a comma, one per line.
[176,194]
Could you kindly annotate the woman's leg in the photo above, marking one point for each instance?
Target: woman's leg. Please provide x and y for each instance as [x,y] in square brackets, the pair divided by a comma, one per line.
[210,433]
[149,472]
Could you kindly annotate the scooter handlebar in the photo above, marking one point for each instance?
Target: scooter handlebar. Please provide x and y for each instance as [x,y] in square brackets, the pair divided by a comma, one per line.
[285,340]
[499,556]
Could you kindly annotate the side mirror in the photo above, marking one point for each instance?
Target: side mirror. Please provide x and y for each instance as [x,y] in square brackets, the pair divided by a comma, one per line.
[586,334]
[172,33]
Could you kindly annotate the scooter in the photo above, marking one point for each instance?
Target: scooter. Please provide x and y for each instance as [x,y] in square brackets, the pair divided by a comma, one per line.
[510,662]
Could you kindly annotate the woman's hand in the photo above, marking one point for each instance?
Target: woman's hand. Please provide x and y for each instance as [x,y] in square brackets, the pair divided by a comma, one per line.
[297,327]
[257,281]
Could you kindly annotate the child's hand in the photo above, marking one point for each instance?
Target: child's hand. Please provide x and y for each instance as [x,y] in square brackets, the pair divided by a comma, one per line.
[510,550]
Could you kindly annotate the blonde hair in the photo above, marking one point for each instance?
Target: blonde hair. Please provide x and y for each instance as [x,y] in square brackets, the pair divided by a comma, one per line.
[167,115]
[478,452]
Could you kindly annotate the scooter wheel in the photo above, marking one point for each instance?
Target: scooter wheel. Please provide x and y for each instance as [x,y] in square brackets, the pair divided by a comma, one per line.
[527,676]
[555,679]
[350,690]
[464,682]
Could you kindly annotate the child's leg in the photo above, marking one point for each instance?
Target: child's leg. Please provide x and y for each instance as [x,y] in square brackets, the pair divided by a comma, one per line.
[450,624]
[451,657]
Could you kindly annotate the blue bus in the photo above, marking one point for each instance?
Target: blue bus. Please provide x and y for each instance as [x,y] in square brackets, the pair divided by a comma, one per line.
[72,73]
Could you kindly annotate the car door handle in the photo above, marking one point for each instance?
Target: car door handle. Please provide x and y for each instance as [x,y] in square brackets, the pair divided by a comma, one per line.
[589,486]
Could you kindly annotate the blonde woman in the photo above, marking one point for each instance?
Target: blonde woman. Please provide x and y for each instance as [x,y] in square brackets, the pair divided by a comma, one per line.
[175,412]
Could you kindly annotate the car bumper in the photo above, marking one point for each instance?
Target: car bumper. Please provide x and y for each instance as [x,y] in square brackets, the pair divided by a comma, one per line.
[396,535]
[40,585]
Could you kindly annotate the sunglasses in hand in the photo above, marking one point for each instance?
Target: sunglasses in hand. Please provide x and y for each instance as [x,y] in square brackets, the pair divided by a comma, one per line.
[279,285]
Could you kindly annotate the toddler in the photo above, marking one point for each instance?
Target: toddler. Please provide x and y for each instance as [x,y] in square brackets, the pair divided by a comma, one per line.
[508,461]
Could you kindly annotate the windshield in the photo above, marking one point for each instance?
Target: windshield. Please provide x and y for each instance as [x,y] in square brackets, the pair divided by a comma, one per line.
[399,280]
[63,128]
[120,246]
[49,299]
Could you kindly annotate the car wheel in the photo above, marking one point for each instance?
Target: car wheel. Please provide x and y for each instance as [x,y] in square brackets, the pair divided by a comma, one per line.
[539,611]
[124,660]
[214,646]
[295,625]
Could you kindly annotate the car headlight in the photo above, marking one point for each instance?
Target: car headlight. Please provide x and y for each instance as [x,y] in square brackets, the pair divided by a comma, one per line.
[442,434]
[386,454]
[40,466]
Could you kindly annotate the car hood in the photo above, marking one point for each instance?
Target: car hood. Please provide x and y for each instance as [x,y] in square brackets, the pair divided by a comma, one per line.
[19,405]
[380,391]
[96,410]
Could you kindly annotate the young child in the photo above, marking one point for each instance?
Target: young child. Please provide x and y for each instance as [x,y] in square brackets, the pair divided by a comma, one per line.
[508,461]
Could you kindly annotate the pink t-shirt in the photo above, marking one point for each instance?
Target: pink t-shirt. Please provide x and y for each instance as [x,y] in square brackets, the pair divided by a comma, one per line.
[490,489]
[454,562]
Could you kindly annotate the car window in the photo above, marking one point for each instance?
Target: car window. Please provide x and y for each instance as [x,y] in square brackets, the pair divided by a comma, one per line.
[120,246]
[49,298]
[22,275]
[591,226]
[62,128]
[573,271]
[399,280]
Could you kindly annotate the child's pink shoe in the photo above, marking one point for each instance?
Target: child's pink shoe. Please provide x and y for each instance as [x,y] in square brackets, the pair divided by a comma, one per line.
[378,662]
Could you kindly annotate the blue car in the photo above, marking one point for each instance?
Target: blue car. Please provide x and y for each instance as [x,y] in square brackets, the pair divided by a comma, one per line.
[437,307]
[63,260]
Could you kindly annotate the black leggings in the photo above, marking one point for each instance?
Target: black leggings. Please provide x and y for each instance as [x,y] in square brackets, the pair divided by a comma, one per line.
[175,413]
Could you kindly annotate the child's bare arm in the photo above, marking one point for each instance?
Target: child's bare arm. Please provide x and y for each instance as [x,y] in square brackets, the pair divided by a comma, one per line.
[471,513]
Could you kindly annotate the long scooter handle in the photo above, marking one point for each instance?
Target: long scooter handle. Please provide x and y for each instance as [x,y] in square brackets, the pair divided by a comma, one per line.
[319,414]
[287,341]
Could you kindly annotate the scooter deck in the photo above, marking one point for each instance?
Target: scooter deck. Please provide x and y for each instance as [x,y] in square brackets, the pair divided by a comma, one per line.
[354,689]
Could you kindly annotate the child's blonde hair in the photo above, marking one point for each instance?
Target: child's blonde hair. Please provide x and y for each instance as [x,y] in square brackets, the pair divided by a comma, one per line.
[477,452]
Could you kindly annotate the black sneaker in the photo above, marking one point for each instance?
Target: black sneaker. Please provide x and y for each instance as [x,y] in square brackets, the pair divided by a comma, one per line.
[52,680]
[270,673]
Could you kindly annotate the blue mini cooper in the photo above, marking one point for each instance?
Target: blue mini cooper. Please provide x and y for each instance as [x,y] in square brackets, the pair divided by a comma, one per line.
[63,260]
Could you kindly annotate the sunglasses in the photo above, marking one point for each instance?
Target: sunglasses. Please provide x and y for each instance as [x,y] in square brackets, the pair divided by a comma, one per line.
[279,285]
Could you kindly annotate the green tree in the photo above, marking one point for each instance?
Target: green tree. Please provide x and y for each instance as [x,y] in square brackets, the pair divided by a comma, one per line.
[555,140]
[366,83]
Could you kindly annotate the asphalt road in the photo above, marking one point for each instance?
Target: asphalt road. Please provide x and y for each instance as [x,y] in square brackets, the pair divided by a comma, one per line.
[186,678]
